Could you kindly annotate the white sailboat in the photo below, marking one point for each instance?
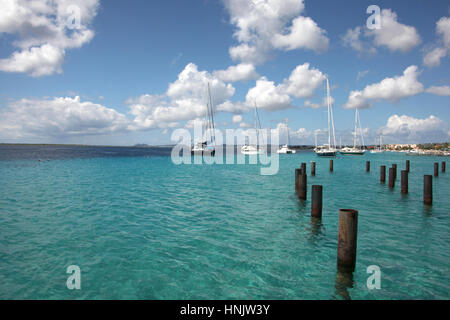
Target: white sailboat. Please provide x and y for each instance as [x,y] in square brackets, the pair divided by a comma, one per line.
[285,149]
[355,150]
[328,150]
[379,149]
[254,149]
[206,145]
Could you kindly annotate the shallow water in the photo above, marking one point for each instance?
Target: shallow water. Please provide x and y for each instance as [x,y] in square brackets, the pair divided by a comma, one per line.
[141,227]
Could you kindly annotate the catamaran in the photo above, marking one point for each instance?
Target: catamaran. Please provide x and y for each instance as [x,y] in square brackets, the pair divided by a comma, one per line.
[254,149]
[379,149]
[328,150]
[285,149]
[206,145]
[355,150]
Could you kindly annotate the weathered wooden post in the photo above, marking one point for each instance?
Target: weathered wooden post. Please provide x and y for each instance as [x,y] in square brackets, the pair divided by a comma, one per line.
[313,168]
[404,181]
[428,189]
[443,166]
[436,169]
[303,168]
[391,177]
[331,165]
[347,239]
[383,174]
[367,166]
[407,165]
[302,185]
[395,170]
[316,202]
[297,175]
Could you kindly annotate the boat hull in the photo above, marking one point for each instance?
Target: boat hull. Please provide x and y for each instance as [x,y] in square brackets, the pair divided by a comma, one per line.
[353,153]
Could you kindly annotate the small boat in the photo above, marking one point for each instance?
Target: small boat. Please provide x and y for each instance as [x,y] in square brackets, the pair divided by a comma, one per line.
[327,150]
[206,146]
[379,149]
[355,150]
[248,149]
[285,149]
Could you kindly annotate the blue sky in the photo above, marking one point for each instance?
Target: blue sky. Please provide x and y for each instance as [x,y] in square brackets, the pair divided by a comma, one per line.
[127,54]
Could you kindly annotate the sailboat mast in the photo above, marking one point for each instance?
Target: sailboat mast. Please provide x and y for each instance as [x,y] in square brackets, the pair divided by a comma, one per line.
[328,104]
[288,138]
[211,114]
[356,128]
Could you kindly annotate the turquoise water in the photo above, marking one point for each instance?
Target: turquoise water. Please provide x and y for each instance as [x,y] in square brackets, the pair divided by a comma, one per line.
[143,228]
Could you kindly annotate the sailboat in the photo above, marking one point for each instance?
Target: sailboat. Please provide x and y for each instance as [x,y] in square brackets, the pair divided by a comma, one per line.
[206,146]
[254,149]
[355,150]
[285,149]
[379,149]
[328,150]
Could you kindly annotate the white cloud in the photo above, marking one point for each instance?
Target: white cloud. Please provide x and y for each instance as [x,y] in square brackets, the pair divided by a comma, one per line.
[409,129]
[184,100]
[237,118]
[324,103]
[304,33]
[268,96]
[265,25]
[43,33]
[440,91]
[391,89]
[240,72]
[303,81]
[352,39]
[392,34]
[433,57]
[59,117]
[361,74]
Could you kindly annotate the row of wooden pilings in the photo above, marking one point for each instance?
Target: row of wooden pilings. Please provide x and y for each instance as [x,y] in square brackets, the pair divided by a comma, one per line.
[427,179]
[348,218]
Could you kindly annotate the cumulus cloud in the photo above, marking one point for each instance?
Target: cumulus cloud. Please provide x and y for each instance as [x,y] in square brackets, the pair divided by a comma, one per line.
[304,33]
[391,89]
[45,30]
[185,99]
[268,96]
[240,72]
[58,117]
[324,103]
[393,35]
[409,129]
[265,25]
[433,57]
[352,39]
[303,81]
[440,91]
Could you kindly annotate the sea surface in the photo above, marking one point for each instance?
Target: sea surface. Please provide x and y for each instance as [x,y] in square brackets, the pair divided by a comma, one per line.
[141,227]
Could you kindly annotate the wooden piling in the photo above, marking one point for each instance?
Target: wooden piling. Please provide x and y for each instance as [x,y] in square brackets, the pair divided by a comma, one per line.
[367,166]
[347,239]
[407,165]
[428,189]
[383,174]
[404,182]
[443,166]
[303,168]
[436,169]
[313,168]
[302,185]
[331,165]
[297,175]
[391,177]
[316,202]
[395,170]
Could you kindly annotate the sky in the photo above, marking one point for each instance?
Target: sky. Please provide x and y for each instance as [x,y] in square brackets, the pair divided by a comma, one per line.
[128,72]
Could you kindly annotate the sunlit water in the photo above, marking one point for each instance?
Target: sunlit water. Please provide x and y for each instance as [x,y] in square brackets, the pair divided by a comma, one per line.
[140,227]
